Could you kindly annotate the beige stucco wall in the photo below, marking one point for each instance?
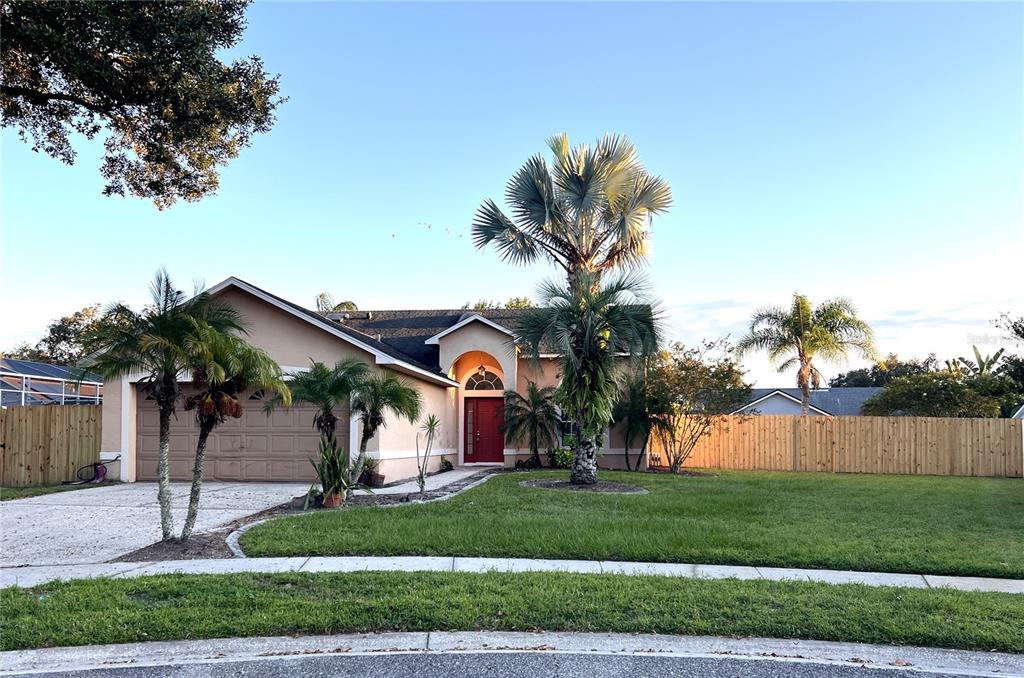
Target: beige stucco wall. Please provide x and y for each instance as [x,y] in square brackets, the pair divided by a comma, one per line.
[477,336]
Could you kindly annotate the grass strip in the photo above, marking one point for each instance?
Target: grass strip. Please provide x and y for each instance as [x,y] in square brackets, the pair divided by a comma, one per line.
[169,607]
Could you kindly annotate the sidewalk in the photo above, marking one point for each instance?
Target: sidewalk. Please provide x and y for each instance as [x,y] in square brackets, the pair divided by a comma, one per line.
[33,576]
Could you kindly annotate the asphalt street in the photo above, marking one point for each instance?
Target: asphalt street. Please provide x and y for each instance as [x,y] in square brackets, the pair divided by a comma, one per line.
[499,665]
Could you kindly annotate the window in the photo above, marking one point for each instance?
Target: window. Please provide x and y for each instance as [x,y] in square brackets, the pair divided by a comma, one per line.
[488,381]
[257,395]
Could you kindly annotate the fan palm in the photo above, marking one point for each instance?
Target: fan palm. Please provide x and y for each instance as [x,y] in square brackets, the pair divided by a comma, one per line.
[591,326]
[326,389]
[160,344]
[226,367]
[373,399]
[533,417]
[797,335]
[589,211]
[639,412]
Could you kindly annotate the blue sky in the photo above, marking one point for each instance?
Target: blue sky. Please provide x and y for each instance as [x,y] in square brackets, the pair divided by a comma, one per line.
[872,150]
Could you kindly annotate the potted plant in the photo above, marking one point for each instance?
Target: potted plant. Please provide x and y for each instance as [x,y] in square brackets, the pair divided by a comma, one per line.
[332,469]
[371,476]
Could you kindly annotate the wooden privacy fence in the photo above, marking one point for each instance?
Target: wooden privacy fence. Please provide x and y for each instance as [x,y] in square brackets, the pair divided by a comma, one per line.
[47,444]
[909,445]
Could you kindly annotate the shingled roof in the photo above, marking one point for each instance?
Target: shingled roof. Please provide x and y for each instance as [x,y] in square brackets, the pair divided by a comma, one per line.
[408,331]
[839,401]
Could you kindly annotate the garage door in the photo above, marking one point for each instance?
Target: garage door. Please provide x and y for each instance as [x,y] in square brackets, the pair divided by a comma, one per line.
[254,447]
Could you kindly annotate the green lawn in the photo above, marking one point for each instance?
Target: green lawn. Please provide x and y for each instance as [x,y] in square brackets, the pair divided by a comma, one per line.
[212,606]
[9,493]
[937,525]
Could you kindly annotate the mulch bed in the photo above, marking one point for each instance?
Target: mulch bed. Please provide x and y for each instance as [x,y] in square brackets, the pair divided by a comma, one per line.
[601,486]
[682,472]
[211,544]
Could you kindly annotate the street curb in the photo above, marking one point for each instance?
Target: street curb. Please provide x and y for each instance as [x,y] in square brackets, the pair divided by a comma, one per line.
[236,549]
[916,659]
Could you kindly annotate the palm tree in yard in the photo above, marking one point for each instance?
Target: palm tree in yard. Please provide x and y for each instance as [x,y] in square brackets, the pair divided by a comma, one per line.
[591,326]
[639,412]
[533,418]
[327,389]
[372,400]
[795,336]
[588,211]
[227,366]
[160,345]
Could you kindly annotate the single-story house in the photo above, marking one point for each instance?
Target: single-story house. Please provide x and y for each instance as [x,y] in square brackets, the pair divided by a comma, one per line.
[461,362]
[843,401]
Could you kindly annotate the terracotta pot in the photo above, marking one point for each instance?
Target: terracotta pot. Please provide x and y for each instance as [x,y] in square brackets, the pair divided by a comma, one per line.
[333,500]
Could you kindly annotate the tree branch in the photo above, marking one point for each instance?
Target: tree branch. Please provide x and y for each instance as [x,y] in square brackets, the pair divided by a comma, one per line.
[46,97]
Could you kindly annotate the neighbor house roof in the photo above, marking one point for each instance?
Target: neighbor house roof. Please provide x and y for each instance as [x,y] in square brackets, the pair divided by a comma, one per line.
[839,401]
[30,368]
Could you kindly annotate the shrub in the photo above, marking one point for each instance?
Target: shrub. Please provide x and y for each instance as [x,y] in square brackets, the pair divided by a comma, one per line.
[561,457]
[446,465]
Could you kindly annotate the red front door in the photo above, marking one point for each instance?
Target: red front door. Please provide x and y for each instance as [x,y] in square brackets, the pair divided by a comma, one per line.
[484,440]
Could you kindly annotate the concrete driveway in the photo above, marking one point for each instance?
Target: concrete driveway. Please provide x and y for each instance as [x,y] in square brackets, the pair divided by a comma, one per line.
[98,524]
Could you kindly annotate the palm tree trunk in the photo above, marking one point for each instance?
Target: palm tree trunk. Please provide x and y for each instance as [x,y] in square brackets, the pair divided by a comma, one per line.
[804,381]
[197,484]
[163,474]
[584,462]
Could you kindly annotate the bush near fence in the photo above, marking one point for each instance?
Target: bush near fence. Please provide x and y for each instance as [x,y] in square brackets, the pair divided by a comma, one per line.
[907,445]
[47,444]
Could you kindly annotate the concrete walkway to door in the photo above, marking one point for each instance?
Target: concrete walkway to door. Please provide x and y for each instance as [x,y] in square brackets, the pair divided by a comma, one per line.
[97,524]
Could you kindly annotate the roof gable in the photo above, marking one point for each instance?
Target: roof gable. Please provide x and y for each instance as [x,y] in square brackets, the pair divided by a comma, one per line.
[382,353]
[472,318]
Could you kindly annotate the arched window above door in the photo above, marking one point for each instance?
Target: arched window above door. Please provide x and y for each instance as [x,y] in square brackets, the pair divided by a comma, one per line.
[488,381]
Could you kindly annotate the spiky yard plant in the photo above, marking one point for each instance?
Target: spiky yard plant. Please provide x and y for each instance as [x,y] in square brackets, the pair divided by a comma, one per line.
[160,344]
[795,336]
[593,327]
[588,211]
[431,426]
[227,366]
[327,389]
[373,399]
[533,418]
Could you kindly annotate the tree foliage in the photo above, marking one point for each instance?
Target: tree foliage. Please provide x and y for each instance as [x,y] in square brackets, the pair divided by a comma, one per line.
[689,390]
[65,342]
[488,305]
[795,336]
[325,304]
[932,394]
[326,389]
[592,327]
[147,75]
[587,211]
[884,371]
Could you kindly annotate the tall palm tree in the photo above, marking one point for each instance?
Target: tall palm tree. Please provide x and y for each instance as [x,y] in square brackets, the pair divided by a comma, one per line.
[797,335]
[228,365]
[589,211]
[533,417]
[160,343]
[325,388]
[372,400]
[591,326]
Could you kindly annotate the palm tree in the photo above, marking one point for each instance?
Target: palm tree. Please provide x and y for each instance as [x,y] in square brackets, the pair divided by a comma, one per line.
[591,326]
[589,211]
[326,389]
[372,399]
[982,364]
[803,332]
[228,365]
[160,343]
[533,417]
[638,411]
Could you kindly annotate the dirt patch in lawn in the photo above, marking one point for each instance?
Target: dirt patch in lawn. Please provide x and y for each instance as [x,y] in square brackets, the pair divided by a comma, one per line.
[600,487]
